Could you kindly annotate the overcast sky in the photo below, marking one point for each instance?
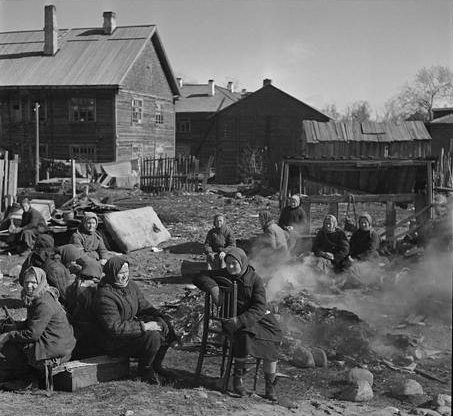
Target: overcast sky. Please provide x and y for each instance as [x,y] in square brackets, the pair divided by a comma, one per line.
[319,51]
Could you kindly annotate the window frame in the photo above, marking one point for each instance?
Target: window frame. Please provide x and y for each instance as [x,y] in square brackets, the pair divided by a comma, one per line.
[16,115]
[134,107]
[184,122]
[158,115]
[72,111]
[83,156]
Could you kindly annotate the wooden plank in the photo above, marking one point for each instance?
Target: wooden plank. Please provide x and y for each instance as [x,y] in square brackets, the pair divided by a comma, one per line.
[2,168]
[5,180]
[326,199]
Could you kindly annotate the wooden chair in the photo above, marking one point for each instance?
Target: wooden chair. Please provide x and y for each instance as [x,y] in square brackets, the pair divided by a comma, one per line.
[215,343]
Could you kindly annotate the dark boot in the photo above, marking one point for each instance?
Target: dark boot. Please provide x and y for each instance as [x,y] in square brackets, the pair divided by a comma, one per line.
[270,393]
[148,375]
[160,355]
[238,382]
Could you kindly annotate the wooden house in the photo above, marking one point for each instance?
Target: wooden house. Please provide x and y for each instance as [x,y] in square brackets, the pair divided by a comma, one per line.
[195,108]
[406,140]
[105,94]
[252,135]
[441,131]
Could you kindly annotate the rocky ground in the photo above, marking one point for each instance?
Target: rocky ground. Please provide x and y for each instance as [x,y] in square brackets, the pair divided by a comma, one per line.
[398,328]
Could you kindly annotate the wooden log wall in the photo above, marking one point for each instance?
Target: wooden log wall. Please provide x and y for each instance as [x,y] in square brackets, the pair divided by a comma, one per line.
[169,174]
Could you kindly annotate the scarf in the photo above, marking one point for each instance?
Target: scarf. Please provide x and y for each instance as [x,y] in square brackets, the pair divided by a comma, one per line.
[88,216]
[239,255]
[42,287]
[112,268]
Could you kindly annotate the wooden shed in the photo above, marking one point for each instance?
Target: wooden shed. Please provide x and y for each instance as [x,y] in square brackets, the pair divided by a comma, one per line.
[409,139]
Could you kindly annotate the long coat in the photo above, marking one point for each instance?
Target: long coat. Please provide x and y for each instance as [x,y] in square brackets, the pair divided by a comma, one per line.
[34,221]
[47,328]
[335,243]
[253,316]
[218,239]
[364,245]
[92,244]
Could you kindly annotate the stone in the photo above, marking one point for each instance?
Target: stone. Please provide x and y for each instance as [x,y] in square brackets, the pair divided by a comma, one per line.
[360,392]
[407,387]
[440,400]
[319,356]
[425,412]
[444,410]
[356,374]
[303,358]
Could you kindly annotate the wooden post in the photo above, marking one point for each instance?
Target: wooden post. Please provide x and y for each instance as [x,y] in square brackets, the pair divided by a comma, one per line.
[5,179]
[429,189]
[2,168]
[73,178]
[390,221]
[36,109]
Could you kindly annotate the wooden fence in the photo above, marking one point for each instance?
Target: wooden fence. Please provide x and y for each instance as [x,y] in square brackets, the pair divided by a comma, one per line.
[8,179]
[169,174]
[443,177]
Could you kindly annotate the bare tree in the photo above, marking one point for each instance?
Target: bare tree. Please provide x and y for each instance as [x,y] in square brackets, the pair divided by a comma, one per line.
[357,111]
[431,87]
[331,111]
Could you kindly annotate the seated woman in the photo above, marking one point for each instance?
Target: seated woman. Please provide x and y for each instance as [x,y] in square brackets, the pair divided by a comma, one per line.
[218,239]
[128,324]
[273,237]
[45,335]
[255,330]
[69,254]
[43,256]
[293,219]
[87,238]
[364,242]
[332,246]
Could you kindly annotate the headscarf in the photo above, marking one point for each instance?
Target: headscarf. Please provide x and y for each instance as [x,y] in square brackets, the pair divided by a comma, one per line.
[333,218]
[69,253]
[42,287]
[43,249]
[266,217]
[89,216]
[90,268]
[367,217]
[239,255]
[112,267]
[296,198]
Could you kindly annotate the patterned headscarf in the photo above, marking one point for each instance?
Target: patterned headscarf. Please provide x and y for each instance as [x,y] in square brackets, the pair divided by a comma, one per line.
[239,255]
[88,216]
[42,287]
[296,198]
[112,268]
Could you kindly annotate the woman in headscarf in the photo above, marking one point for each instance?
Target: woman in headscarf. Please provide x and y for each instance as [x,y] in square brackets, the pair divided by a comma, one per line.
[273,237]
[293,220]
[217,240]
[87,238]
[255,330]
[129,325]
[45,335]
[331,244]
[364,243]
[43,256]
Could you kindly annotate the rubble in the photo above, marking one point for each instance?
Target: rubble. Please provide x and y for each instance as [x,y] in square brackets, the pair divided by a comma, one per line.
[357,374]
[407,387]
[358,392]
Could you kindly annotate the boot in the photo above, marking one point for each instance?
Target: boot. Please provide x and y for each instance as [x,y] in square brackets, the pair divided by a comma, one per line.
[148,375]
[160,355]
[238,382]
[270,393]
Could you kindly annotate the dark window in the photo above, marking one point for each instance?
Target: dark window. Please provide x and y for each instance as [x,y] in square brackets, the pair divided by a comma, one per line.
[82,109]
[137,110]
[159,117]
[16,110]
[83,152]
[183,126]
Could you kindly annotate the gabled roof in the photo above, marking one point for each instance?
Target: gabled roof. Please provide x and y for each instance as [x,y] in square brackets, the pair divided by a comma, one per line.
[195,98]
[369,131]
[86,57]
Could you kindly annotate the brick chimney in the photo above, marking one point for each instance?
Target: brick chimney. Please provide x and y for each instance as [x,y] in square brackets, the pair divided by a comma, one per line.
[267,81]
[230,86]
[50,30]
[179,81]
[211,86]
[109,25]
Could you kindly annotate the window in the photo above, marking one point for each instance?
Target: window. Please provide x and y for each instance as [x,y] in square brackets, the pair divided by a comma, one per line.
[16,110]
[82,109]
[159,117]
[85,152]
[183,126]
[137,110]
[42,109]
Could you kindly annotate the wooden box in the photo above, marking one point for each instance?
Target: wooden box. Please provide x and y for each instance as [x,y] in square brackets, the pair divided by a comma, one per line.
[75,375]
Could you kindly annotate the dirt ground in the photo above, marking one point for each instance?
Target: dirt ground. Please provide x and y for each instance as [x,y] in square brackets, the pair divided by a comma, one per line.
[301,391]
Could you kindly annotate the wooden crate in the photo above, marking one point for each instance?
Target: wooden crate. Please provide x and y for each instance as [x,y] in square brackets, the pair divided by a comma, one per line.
[74,375]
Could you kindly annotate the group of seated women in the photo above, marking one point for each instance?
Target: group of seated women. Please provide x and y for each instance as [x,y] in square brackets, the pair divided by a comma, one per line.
[77,307]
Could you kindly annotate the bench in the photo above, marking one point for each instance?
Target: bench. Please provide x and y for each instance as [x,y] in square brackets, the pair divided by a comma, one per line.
[74,375]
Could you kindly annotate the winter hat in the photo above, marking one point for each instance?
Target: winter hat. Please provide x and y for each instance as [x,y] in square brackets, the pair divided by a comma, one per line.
[69,253]
[239,255]
[44,242]
[91,268]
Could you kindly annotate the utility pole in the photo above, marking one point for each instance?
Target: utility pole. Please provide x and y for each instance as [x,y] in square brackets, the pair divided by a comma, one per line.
[36,110]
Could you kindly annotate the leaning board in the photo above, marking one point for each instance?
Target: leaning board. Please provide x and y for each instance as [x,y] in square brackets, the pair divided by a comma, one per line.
[135,229]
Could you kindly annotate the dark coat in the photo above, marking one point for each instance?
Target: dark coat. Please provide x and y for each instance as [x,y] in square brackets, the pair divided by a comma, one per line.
[335,243]
[118,311]
[293,217]
[364,245]
[46,327]
[92,244]
[218,239]
[253,315]
[34,221]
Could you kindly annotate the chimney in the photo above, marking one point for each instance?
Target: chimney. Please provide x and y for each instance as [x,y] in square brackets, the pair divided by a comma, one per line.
[211,87]
[230,86]
[109,22]
[243,91]
[179,81]
[266,82]
[50,30]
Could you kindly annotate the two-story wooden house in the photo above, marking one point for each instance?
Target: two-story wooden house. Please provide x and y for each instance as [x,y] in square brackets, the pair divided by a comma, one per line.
[104,94]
